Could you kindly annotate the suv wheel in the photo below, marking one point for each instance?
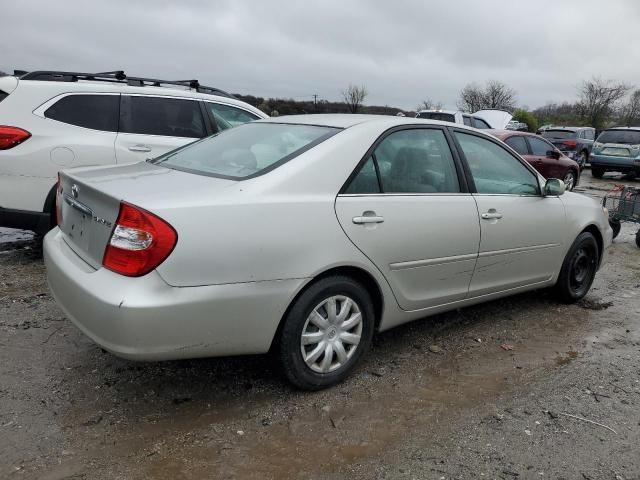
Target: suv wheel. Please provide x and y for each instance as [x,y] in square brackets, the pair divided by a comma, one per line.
[578,269]
[326,332]
[597,172]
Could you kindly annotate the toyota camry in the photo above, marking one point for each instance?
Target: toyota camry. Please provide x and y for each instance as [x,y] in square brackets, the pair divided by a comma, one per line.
[306,235]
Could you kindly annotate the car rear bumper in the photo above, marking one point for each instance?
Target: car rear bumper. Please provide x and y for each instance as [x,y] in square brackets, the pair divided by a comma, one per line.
[146,319]
[35,221]
[613,162]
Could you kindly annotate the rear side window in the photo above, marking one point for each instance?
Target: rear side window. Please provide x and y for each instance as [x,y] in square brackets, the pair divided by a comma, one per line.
[247,150]
[227,116]
[467,120]
[409,161]
[519,144]
[444,117]
[494,169]
[589,134]
[98,112]
[169,117]
[479,123]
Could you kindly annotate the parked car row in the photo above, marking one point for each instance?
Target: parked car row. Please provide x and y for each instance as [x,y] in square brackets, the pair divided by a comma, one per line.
[300,235]
[62,119]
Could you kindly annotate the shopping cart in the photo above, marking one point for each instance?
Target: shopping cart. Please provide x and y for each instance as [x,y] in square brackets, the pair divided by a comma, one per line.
[623,203]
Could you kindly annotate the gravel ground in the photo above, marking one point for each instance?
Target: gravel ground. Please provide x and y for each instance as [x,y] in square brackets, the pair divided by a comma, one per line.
[517,388]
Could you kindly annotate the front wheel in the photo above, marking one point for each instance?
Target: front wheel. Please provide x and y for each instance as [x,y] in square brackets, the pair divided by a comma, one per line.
[326,332]
[597,172]
[578,269]
[570,180]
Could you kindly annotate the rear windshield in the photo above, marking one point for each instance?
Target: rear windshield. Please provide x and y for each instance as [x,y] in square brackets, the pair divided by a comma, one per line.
[563,134]
[443,117]
[630,137]
[246,150]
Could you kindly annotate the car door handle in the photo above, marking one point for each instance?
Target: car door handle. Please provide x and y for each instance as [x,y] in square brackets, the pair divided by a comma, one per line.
[367,219]
[139,148]
[491,215]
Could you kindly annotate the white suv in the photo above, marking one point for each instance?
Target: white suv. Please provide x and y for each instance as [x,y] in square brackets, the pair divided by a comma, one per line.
[55,120]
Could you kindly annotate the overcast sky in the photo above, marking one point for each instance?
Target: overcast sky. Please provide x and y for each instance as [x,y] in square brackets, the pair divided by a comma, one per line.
[401,50]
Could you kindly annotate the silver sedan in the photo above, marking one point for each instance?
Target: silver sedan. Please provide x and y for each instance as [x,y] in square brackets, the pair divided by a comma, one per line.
[306,235]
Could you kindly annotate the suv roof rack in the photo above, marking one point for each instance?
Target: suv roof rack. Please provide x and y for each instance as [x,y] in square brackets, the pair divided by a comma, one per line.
[117,76]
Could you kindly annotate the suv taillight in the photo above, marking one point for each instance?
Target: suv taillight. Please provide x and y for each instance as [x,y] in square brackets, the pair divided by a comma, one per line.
[12,136]
[58,202]
[570,143]
[140,242]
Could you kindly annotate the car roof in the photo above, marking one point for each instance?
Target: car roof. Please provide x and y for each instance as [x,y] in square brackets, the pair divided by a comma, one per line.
[346,120]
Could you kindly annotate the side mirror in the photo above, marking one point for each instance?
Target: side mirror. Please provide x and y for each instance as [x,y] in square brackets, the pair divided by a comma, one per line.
[553,154]
[554,188]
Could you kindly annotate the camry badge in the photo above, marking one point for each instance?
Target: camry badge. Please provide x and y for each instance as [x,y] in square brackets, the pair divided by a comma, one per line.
[75,190]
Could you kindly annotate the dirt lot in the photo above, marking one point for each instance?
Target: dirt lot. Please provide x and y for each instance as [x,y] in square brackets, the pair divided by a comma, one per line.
[437,399]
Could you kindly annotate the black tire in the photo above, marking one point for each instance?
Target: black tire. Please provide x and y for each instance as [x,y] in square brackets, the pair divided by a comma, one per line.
[597,172]
[578,269]
[638,238]
[291,358]
[615,226]
[582,159]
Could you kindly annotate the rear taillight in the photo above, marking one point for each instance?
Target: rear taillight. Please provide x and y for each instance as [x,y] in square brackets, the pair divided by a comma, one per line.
[140,242]
[12,136]
[570,143]
[58,202]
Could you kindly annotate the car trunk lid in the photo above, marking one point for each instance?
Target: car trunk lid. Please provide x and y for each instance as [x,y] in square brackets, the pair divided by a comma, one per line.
[90,198]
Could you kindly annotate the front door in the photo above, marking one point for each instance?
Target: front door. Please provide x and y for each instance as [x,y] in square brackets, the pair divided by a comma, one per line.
[152,126]
[408,211]
[551,167]
[521,230]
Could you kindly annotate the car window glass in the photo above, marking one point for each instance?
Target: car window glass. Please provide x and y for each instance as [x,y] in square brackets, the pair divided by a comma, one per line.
[588,134]
[366,181]
[99,112]
[170,117]
[518,143]
[227,116]
[246,150]
[479,123]
[494,169]
[539,147]
[443,117]
[467,120]
[416,161]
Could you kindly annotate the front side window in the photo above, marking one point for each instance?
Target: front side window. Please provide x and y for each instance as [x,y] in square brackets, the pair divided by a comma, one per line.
[494,169]
[247,150]
[227,116]
[409,161]
[169,117]
[98,112]
[519,144]
[539,147]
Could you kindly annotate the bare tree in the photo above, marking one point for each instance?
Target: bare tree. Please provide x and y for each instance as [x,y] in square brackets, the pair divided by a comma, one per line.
[494,95]
[599,99]
[429,104]
[354,96]
[630,111]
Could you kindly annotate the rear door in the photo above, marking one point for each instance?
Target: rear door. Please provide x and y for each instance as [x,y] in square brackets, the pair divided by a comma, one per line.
[521,231]
[408,209]
[153,125]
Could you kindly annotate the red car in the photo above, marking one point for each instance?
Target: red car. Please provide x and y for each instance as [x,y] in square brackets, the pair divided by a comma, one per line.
[542,155]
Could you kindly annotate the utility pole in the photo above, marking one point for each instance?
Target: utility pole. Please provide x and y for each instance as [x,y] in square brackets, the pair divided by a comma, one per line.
[315,102]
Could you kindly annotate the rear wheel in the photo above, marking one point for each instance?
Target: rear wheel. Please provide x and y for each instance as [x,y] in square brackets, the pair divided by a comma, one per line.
[615,226]
[570,180]
[597,172]
[578,269]
[326,332]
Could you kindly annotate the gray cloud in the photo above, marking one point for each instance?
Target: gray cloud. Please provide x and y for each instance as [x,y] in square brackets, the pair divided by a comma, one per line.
[403,51]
